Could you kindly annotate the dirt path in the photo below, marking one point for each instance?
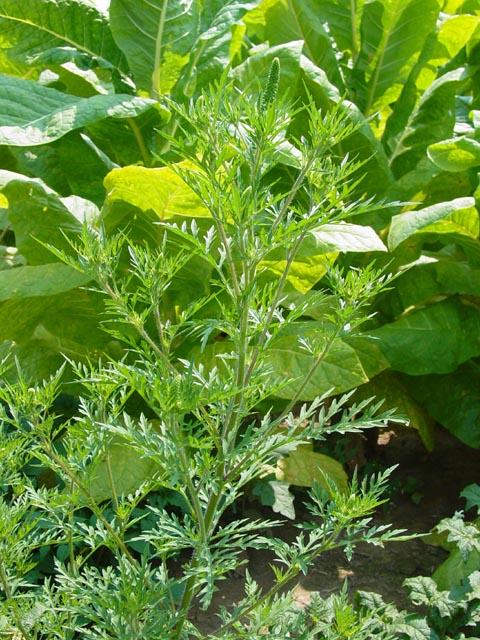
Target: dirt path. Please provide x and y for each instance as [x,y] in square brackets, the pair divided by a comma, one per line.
[426,489]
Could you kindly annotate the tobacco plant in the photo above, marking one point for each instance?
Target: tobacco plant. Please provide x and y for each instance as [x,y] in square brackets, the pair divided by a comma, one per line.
[191,399]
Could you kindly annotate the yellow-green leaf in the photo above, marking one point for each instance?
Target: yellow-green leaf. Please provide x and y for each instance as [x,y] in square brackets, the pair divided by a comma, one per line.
[304,467]
[159,190]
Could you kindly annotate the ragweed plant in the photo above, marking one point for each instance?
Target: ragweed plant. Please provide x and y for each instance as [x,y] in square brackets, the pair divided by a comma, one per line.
[188,395]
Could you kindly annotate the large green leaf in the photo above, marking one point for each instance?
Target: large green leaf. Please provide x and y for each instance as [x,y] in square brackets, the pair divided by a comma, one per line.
[157,37]
[444,217]
[221,38]
[347,237]
[42,280]
[160,190]
[393,33]
[434,339]
[138,198]
[37,215]
[425,122]
[396,395]
[453,400]
[310,265]
[453,32]
[124,466]
[342,368]
[305,467]
[42,329]
[442,45]
[253,72]
[86,170]
[344,20]
[30,27]
[456,154]
[283,21]
[31,114]
[430,279]
[456,569]
[319,250]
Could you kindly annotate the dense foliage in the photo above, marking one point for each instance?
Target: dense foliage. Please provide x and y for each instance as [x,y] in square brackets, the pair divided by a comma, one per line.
[211,213]
[89,107]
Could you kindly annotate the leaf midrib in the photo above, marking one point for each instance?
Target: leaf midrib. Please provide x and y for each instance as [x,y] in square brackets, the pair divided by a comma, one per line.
[308,50]
[383,48]
[29,23]
[158,51]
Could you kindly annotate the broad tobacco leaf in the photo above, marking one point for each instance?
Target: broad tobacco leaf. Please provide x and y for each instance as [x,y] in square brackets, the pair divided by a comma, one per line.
[31,114]
[42,280]
[417,124]
[305,467]
[433,339]
[344,366]
[318,252]
[395,394]
[31,27]
[432,278]
[160,190]
[221,37]
[453,400]
[446,217]
[37,214]
[393,33]
[453,32]
[427,81]
[310,265]
[138,199]
[157,37]
[345,237]
[298,73]
[456,154]
[42,329]
[281,21]
[129,470]
[86,169]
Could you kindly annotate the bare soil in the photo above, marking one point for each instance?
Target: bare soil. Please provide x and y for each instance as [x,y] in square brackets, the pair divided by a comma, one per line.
[426,488]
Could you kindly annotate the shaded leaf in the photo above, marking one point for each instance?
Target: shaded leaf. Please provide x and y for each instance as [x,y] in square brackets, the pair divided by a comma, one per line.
[128,469]
[221,26]
[434,339]
[431,278]
[453,400]
[395,395]
[282,501]
[37,214]
[43,280]
[304,467]
[472,496]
